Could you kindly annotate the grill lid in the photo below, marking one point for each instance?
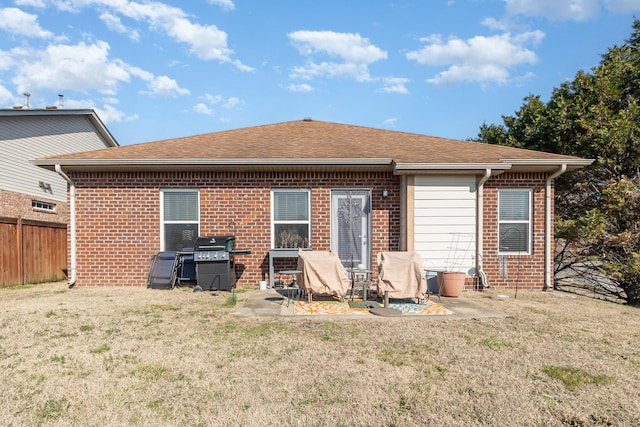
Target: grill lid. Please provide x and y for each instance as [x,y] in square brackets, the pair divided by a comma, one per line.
[215,243]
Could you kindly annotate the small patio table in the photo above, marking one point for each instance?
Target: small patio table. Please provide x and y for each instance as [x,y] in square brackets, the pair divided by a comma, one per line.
[293,289]
[361,277]
[439,280]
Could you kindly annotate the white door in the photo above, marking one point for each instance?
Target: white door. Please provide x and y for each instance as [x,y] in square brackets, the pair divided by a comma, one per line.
[351,226]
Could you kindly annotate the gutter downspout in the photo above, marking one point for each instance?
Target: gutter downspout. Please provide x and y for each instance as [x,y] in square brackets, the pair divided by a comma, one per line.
[547,227]
[72,225]
[479,223]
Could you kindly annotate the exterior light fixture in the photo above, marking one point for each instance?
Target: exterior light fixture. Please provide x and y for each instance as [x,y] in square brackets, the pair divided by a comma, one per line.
[385,192]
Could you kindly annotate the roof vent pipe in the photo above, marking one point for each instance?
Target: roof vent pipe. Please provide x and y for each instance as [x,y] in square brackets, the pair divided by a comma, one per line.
[25,106]
[60,104]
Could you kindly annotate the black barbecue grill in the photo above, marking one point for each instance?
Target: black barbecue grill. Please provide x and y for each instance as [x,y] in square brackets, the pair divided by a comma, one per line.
[215,269]
[215,262]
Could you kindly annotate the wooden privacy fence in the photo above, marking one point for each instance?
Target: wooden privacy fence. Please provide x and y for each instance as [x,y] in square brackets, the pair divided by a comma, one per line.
[32,251]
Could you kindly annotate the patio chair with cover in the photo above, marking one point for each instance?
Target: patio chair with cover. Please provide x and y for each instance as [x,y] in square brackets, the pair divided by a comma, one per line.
[322,274]
[401,274]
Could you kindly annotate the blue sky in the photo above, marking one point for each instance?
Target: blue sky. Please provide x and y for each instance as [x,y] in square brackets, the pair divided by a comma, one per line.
[163,69]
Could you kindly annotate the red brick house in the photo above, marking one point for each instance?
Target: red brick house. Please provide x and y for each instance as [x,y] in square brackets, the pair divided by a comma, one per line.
[352,189]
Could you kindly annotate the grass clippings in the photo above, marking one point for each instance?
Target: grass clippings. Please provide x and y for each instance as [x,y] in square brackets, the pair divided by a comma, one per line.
[132,356]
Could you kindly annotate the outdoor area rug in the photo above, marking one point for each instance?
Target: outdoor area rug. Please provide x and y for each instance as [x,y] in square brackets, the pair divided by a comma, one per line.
[426,308]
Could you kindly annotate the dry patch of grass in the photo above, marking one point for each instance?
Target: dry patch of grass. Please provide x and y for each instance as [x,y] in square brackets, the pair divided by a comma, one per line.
[133,356]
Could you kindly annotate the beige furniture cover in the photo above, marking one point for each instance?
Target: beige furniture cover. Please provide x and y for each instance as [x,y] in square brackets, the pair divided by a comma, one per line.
[401,274]
[322,273]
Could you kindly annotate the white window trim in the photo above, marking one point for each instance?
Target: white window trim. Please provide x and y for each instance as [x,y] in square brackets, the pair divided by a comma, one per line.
[41,206]
[162,221]
[272,219]
[529,222]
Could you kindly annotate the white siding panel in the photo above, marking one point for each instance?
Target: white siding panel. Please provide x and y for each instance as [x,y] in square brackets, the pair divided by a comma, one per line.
[445,221]
[442,203]
[23,139]
[452,214]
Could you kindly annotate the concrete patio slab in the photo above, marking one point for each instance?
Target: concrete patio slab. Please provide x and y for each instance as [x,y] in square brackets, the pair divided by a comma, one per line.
[264,303]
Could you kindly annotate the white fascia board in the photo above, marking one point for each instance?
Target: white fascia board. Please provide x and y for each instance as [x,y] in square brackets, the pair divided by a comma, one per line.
[102,129]
[574,162]
[469,168]
[104,164]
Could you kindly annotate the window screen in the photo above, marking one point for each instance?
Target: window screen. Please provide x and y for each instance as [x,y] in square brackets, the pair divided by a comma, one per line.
[514,227]
[291,227]
[180,219]
[180,206]
[289,206]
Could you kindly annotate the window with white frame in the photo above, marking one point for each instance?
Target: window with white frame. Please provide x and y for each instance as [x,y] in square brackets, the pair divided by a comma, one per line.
[37,205]
[290,218]
[514,221]
[180,219]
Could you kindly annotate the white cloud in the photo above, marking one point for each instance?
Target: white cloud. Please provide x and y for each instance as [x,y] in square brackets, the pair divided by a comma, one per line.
[213,100]
[555,10]
[395,85]
[503,24]
[109,114]
[520,80]
[15,21]
[622,5]
[79,67]
[353,52]
[206,42]
[79,104]
[350,47]
[481,59]
[232,103]
[360,72]
[6,97]
[224,4]
[111,100]
[6,60]
[300,87]
[31,3]
[459,73]
[165,86]
[115,24]
[137,72]
[201,108]
[391,122]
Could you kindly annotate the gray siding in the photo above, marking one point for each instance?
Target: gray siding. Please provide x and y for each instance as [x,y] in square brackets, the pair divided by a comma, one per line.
[23,139]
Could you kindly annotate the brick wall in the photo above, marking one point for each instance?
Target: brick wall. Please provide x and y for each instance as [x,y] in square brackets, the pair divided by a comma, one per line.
[525,271]
[119,217]
[18,205]
[119,220]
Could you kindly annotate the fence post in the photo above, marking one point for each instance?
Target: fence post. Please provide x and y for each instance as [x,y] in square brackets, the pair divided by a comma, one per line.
[19,249]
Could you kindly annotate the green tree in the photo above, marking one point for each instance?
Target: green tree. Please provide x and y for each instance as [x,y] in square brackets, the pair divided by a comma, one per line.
[596,115]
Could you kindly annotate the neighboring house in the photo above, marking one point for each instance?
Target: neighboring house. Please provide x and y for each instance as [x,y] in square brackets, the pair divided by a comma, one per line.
[352,189]
[33,201]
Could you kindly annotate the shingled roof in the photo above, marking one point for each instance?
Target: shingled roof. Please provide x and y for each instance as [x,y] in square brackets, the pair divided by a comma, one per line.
[313,145]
